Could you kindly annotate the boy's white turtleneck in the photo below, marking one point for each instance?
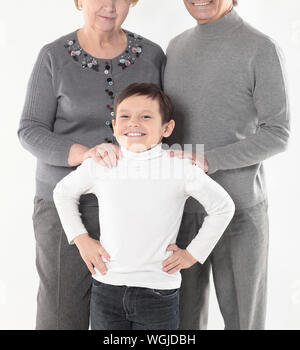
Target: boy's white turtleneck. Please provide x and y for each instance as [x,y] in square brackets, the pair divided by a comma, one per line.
[153,152]
[140,216]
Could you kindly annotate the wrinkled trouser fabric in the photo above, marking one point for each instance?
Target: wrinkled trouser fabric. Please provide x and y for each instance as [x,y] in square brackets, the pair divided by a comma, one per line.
[239,267]
[63,299]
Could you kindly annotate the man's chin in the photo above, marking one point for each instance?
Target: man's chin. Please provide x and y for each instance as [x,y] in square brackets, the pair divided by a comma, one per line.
[206,16]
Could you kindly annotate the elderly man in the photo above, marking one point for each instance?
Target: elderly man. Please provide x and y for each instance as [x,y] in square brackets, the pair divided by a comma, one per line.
[227,83]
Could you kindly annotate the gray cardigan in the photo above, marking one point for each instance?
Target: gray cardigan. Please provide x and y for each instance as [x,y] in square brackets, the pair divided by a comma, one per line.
[70,99]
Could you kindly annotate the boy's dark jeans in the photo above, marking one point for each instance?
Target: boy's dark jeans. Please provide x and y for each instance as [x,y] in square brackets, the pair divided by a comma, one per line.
[125,308]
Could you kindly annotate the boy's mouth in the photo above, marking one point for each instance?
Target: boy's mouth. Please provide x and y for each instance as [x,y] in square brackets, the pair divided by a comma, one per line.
[134,134]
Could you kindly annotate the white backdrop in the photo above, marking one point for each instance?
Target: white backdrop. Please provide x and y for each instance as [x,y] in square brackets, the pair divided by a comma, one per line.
[25,26]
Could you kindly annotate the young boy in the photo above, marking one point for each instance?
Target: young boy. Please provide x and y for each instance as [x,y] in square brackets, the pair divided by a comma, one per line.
[136,265]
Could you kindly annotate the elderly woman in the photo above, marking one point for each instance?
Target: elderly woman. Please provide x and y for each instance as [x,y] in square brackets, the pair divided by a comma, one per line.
[66,119]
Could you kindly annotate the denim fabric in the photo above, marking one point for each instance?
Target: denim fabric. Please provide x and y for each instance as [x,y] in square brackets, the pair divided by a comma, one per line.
[126,308]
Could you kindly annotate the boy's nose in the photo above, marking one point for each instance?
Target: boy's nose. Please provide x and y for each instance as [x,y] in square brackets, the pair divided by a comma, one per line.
[133,123]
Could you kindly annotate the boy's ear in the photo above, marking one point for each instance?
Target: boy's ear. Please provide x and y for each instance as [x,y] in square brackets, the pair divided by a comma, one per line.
[113,123]
[168,128]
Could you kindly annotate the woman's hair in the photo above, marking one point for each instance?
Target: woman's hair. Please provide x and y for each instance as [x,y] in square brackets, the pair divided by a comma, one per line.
[133,2]
[152,91]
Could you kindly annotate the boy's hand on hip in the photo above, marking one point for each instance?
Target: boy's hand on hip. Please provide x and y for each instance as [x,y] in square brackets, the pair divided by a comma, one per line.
[180,259]
[92,252]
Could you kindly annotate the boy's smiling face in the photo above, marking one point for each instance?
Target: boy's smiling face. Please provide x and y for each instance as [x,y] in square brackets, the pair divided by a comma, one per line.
[138,123]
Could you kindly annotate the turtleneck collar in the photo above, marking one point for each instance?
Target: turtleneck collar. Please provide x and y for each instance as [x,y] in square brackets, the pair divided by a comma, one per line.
[154,152]
[221,26]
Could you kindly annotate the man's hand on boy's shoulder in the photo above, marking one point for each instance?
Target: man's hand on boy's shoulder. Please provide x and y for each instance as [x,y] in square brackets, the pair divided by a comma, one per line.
[180,259]
[196,158]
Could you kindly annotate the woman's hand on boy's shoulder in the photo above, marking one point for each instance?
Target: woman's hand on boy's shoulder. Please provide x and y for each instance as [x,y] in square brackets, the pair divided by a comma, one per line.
[180,259]
[105,154]
[196,158]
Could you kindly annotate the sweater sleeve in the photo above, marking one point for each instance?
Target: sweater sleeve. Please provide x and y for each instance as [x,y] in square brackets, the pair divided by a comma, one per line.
[271,101]
[35,130]
[66,196]
[219,208]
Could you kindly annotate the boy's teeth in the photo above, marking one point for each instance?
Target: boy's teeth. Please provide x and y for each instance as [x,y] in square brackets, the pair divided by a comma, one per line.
[133,134]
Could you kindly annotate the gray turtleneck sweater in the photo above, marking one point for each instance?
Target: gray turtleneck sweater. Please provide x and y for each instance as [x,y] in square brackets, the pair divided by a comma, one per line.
[226,80]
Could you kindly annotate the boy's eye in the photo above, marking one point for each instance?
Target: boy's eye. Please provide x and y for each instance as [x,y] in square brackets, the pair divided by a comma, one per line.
[147,116]
[124,116]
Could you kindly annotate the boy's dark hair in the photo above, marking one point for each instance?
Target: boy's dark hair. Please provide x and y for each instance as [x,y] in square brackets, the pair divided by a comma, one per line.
[152,91]
[235,2]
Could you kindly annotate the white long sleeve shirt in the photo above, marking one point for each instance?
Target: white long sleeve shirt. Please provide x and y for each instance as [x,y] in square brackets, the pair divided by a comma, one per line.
[141,203]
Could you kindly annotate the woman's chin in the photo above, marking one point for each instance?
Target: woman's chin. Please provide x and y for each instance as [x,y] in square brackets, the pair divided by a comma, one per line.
[104,26]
